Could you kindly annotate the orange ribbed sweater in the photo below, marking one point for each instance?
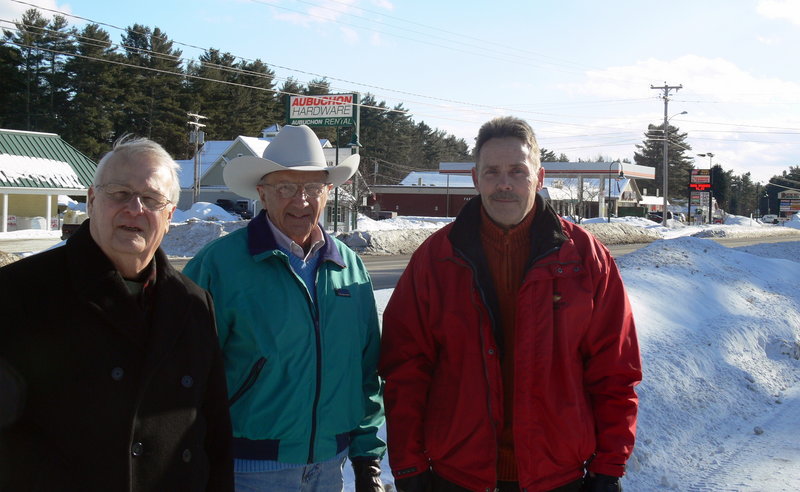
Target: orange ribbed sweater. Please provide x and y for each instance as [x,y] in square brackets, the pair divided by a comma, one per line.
[507,252]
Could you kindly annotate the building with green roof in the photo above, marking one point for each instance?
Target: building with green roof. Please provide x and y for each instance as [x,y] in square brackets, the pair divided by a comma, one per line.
[34,169]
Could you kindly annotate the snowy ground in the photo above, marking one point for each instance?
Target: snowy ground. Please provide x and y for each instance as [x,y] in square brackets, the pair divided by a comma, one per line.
[719,331]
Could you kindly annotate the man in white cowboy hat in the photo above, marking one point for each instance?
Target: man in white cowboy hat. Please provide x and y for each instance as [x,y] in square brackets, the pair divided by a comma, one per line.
[298,327]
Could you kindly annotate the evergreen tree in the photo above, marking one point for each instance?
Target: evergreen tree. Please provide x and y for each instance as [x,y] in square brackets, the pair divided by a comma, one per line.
[209,97]
[154,97]
[29,38]
[12,87]
[721,186]
[58,44]
[787,179]
[546,155]
[289,88]
[651,153]
[259,107]
[94,84]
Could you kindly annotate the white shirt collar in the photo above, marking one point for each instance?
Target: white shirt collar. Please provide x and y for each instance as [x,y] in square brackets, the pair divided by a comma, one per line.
[284,241]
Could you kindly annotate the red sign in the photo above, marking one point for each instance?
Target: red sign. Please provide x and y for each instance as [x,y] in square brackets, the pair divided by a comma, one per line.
[700,186]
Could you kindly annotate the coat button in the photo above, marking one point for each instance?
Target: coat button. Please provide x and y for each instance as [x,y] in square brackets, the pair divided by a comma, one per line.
[187,382]
[559,270]
[137,449]
[186,456]
[117,373]
[491,351]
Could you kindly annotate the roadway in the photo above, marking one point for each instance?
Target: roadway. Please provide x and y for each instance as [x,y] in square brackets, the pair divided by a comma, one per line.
[385,270]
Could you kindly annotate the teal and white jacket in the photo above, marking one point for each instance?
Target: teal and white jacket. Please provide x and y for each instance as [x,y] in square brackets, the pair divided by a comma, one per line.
[302,377]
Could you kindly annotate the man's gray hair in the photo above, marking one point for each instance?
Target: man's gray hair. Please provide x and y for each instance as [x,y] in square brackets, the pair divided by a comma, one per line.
[508,126]
[128,146]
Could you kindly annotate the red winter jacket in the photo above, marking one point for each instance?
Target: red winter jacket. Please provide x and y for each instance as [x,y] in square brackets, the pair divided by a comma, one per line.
[576,359]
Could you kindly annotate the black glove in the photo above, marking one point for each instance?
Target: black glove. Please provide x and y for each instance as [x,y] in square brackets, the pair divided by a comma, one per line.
[417,483]
[601,483]
[368,475]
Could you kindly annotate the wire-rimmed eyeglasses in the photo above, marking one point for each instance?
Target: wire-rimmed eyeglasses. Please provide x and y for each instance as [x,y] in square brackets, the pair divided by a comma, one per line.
[288,190]
[155,202]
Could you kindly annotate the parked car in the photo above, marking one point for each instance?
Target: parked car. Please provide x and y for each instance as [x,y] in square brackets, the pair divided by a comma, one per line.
[656,216]
[769,219]
[242,208]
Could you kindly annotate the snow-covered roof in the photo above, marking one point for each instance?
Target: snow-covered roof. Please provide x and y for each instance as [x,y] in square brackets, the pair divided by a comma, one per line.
[557,188]
[433,178]
[34,172]
[209,153]
[652,200]
[591,187]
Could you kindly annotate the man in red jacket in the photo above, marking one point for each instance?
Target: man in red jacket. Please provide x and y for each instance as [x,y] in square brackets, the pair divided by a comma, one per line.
[509,348]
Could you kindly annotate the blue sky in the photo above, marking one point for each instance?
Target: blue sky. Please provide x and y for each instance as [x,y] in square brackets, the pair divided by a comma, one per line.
[579,71]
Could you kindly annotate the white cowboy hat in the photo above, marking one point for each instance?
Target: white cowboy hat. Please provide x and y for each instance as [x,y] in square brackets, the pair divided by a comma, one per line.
[295,148]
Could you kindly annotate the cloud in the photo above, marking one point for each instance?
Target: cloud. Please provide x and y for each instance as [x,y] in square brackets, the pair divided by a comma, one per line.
[384,4]
[768,41]
[13,11]
[780,9]
[350,35]
[324,12]
[715,79]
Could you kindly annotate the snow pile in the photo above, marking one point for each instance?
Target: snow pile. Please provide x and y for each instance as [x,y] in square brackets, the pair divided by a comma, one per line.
[404,222]
[720,336]
[204,211]
[621,233]
[188,238]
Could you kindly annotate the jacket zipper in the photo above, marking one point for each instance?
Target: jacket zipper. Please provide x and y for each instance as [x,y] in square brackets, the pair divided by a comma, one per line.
[483,341]
[250,381]
[318,389]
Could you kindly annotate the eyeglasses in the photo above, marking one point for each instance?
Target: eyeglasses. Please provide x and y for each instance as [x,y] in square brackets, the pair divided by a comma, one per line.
[155,202]
[288,190]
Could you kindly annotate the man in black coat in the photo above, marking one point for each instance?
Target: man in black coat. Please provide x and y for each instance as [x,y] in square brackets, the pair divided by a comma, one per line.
[112,367]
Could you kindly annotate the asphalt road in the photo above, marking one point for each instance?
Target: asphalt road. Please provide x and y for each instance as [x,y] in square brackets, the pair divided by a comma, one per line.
[385,270]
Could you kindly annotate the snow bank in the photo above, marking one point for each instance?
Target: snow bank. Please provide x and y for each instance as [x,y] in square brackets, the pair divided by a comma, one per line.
[204,211]
[718,333]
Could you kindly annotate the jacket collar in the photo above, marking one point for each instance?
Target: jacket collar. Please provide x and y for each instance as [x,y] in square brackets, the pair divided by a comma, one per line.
[260,240]
[96,281]
[547,233]
[547,236]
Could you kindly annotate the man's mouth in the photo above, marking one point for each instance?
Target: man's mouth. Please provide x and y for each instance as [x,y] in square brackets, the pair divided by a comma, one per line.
[130,228]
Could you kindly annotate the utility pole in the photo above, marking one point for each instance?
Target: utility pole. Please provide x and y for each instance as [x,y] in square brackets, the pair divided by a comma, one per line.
[666,88]
[197,137]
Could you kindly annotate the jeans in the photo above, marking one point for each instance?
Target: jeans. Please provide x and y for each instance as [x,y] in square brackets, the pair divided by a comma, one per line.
[316,477]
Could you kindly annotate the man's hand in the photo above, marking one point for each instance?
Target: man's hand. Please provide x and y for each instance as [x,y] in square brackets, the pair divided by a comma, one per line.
[417,483]
[595,482]
[368,475]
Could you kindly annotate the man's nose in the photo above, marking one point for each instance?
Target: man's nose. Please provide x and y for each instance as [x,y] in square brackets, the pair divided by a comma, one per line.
[135,203]
[504,182]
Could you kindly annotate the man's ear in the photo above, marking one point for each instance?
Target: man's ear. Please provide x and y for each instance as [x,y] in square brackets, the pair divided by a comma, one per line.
[475,177]
[90,201]
[540,177]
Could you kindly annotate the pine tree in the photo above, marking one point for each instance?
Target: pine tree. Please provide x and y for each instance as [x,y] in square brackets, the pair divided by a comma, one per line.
[12,87]
[94,82]
[29,38]
[651,153]
[154,99]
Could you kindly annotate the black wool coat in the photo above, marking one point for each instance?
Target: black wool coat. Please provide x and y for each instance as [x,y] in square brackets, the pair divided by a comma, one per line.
[116,398]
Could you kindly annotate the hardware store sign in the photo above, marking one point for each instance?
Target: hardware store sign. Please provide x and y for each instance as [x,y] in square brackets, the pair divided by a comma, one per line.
[323,110]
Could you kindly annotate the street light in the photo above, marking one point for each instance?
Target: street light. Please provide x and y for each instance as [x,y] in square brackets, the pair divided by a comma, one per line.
[710,156]
[666,162]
